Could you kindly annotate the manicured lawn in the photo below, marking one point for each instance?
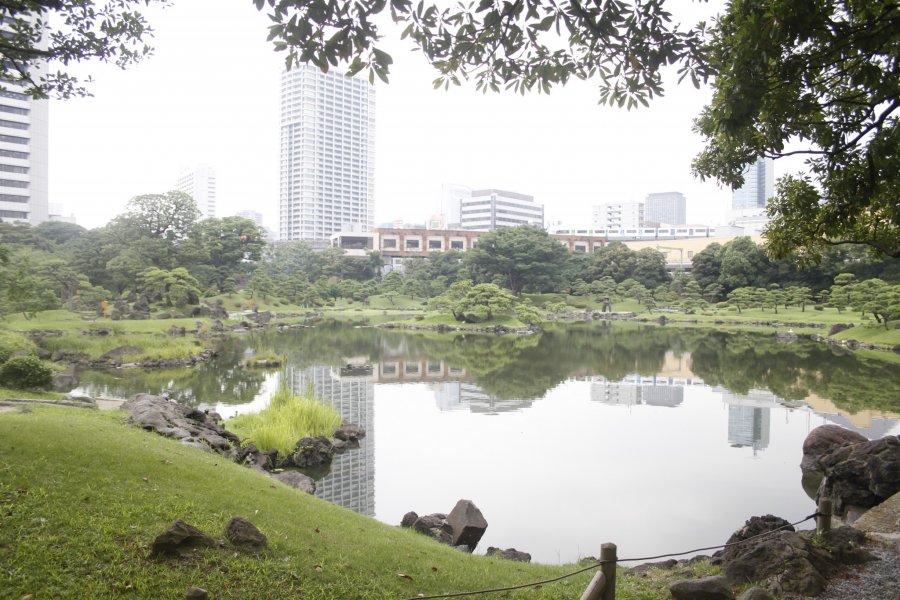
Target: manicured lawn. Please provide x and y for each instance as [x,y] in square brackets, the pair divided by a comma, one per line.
[82,497]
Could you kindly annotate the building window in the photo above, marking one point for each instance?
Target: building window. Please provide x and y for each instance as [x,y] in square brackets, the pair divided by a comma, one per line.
[456,245]
[14,154]
[435,244]
[690,254]
[12,198]
[412,244]
[13,124]
[15,110]
[388,244]
[13,169]
[13,183]
[13,139]
[13,214]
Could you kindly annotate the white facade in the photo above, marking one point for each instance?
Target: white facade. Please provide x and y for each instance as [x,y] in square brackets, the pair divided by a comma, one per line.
[200,184]
[618,215]
[24,133]
[327,172]
[759,186]
[669,208]
[488,210]
[450,204]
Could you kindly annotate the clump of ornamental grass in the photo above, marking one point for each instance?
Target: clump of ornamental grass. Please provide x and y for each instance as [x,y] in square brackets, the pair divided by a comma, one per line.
[285,420]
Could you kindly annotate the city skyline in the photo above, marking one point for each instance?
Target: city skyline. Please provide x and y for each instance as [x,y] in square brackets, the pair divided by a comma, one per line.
[182,105]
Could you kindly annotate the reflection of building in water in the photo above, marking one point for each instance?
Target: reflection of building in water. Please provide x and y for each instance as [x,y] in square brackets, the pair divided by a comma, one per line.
[351,481]
[459,395]
[652,390]
[409,369]
[748,426]
[748,417]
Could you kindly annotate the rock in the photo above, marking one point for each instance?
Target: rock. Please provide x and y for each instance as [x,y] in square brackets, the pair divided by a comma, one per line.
[509,554]
[310,452]
[177,330]
[409,519]
[186,424]
[756,594]
[705,588]
[178,539]
[242,533]
[753,527]
[823,439]
[427,523]
[467,523]
[349,433]
[864,474]
[196,593]
[297,480]
[251,455]
[665,564]
[70,356]
[845,544]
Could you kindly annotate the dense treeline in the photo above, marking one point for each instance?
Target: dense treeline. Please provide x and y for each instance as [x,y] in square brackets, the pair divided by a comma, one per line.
[160,251]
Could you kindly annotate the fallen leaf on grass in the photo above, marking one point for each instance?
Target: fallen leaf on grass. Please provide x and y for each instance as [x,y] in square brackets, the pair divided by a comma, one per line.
[404,576]
[318,568]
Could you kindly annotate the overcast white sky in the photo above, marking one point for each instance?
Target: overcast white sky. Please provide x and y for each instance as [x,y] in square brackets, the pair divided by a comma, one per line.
[210,94]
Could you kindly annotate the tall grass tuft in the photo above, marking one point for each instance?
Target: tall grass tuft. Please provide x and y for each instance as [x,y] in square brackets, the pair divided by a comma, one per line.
[287,419]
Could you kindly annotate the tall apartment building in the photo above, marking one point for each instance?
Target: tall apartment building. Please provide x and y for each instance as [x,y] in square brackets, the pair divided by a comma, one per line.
[24,133]
[327,173]
[200,184]
[759,186]
[668,208]
[618,215]
[488,210]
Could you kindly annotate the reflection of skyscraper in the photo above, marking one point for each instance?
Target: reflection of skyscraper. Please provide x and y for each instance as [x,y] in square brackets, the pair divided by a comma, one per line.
[457,395]
[351,481]
[636,389]
[748,426]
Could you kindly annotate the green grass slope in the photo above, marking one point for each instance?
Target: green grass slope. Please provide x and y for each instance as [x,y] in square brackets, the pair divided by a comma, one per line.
[82,497]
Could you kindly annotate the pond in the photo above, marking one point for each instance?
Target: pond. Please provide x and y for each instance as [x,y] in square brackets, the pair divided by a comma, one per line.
[658,439]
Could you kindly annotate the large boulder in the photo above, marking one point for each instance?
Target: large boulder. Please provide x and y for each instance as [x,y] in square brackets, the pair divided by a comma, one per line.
[822,440]
[768,551]
[310,453]
[468,524]
[188,425]
[705,588]
[179,538]
[297,480]
[434,526]
[861,475]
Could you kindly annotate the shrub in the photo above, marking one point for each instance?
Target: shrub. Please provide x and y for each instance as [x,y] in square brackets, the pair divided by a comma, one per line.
[12,343]
[26,372]
[818,307]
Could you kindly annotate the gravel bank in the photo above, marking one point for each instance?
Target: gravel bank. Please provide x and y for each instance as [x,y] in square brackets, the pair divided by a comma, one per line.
[877,580]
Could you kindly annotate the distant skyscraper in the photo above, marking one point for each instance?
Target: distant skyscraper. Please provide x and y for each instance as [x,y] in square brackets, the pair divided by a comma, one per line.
[488,210]
[669,208]
[253,215]
[200,184]
[759,186]
[450,204]
[618,215]
[23,157]
[327,178]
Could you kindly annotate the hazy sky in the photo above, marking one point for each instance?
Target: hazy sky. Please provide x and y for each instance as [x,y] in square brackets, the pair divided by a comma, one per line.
[210,94]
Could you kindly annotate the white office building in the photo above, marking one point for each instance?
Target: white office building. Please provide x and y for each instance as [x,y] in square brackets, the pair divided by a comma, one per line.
[618,215]
[327,172]
[488,210]
[24,135]
[665,208]
[759,186]
[200,184]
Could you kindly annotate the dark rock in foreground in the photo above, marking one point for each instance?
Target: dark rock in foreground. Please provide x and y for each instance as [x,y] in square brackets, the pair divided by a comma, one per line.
[242,533]
[467,523]
[705,588]
[188,425]
[178,539]
[824,439]
[861,475]
[310,452]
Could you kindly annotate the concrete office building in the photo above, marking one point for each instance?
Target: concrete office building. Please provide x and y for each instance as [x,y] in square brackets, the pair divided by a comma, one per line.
[24,135]
[327,171]
[200,184]
[759,186]
[491,209]
[618,215]
[665,208]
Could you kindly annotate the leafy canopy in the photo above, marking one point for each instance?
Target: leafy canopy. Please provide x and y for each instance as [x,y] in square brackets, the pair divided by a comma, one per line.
[66,32]
[521,45]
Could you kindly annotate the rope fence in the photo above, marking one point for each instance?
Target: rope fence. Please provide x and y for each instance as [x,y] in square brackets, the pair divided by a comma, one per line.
[596,591]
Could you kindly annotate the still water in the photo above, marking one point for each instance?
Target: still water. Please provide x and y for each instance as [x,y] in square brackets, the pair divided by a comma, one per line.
[657,439]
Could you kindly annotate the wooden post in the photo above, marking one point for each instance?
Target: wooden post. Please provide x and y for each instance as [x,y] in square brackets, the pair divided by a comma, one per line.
[595,588]
[823,519]
[608,568]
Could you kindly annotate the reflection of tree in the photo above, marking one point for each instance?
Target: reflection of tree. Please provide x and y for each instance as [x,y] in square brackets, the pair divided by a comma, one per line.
[220,380]
[740,361]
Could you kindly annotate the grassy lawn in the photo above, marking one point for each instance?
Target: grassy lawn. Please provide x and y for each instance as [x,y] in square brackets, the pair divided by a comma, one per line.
[82,497]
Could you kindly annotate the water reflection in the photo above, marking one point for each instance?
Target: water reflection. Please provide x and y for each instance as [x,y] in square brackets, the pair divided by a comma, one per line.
[653,409]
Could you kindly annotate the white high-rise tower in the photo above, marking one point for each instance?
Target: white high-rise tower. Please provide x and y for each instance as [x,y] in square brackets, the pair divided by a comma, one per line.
[327,173]
[200,184]
[24,135]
